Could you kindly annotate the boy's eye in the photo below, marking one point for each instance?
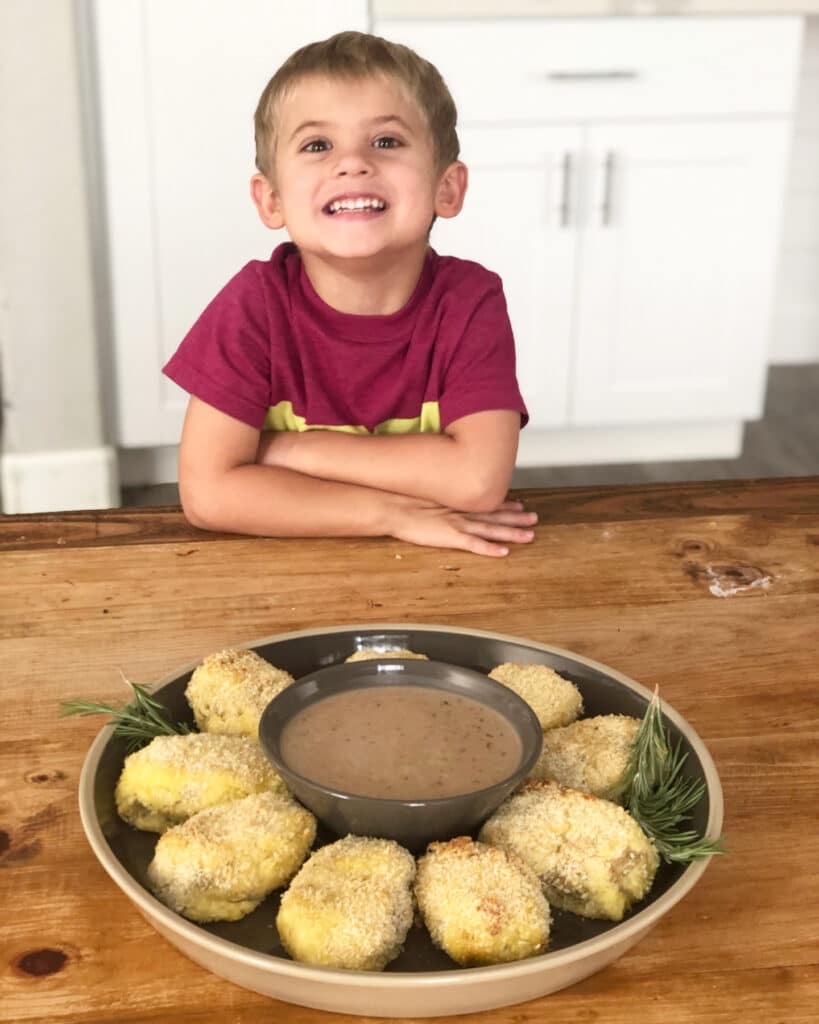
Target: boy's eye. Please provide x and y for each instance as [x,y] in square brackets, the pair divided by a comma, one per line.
[386,142]
[315,146]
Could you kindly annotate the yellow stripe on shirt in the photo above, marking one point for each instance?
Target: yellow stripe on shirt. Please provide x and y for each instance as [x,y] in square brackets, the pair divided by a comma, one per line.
[282,417]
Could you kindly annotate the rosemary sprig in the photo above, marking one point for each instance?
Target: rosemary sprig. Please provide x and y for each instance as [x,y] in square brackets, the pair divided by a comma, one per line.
[659,797]
[139,722]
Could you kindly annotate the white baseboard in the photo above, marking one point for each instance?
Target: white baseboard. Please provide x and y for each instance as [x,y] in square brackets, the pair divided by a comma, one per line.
[587,446]
[59,481]
[795,337]
[139,467]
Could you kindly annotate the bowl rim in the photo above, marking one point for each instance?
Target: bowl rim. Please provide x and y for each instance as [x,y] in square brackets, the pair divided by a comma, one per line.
[402,665]
[269,963]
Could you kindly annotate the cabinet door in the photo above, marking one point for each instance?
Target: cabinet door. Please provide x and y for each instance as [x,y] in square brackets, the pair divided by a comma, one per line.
[679,248]
[178,83]
[520,220]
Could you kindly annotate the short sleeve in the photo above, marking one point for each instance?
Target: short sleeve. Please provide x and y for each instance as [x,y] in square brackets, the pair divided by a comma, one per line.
[224,359]
[480,372]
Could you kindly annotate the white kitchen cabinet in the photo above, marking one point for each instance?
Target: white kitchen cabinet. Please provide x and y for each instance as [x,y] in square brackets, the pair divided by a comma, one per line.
[626,181]
[637,260]
[177,85]
[678,242]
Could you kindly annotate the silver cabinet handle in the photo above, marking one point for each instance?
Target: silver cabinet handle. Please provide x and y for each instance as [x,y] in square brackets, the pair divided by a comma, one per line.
[566,167]
[600,75]
[608,190]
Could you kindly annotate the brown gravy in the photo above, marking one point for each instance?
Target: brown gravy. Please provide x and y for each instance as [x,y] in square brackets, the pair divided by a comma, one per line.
[401,742]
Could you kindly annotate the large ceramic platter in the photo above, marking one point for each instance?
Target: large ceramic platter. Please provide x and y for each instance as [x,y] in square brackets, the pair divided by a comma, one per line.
[422,981]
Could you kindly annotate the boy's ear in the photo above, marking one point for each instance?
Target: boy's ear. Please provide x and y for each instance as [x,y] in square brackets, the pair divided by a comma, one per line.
[449,196]
[266,201]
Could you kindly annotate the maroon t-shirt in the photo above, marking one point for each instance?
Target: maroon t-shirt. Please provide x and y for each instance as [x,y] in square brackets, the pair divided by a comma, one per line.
[270,353]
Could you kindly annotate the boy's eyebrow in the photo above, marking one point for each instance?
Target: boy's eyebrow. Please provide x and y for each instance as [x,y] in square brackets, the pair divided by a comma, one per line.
[386,118]
[307,124]
[380,120]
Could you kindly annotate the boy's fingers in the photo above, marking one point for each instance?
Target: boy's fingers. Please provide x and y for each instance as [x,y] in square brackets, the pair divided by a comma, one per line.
[497,531]
[505,517]
[480,546]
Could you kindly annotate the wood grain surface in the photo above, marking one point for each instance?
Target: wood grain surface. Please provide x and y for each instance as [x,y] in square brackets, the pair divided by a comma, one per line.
[709,590]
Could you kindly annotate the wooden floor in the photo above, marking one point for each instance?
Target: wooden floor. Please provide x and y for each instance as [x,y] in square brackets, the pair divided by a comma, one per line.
[784,443]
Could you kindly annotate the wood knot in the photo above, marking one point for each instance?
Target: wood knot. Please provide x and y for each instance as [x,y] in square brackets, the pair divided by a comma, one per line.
[691,547]
[41,962]
[727,580]
[41,777]
[741,575]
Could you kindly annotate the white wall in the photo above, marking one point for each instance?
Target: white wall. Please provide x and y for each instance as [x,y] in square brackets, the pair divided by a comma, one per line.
[48,336]
[795,334]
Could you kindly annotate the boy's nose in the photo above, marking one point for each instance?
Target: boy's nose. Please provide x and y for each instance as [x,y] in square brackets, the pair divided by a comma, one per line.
[353,162]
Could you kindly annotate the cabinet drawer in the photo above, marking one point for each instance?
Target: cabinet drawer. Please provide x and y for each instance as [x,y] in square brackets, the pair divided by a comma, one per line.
[542,69]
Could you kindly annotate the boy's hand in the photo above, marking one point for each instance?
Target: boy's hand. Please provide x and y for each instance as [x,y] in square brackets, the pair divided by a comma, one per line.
[482,533]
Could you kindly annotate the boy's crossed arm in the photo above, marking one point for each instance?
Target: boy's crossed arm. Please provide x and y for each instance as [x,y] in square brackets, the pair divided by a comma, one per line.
[223,487]
[467,468]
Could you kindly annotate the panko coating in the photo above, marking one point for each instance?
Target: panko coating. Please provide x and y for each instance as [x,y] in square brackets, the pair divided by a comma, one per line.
[370,654]
[229,691]
[481,905]
[556,701]
[222,862]
[591,754]
[175,777]
[591,856]
[350,906]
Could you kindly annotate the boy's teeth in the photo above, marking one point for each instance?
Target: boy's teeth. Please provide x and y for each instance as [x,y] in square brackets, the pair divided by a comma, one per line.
[355,204]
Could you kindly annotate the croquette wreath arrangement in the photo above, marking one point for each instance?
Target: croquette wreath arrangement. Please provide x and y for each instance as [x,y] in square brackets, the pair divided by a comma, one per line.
[585,833]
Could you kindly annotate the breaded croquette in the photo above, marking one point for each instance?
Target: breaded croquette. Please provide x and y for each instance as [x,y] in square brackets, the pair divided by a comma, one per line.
[370,654]
[556,701]
[229,691]
[481,905]
[221,863]
[350,905]
[590,754]
[592,858]
[174,777]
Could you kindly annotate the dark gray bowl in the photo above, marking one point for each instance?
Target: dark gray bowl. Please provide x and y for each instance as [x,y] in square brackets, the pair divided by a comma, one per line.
[412,823]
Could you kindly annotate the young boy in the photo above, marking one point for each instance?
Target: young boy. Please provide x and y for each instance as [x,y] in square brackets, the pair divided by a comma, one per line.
[356,384]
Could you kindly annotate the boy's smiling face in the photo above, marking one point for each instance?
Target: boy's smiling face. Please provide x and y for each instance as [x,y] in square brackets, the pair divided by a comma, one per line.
[355,172]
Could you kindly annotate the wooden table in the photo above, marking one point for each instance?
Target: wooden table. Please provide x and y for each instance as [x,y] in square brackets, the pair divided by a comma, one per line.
[709,590]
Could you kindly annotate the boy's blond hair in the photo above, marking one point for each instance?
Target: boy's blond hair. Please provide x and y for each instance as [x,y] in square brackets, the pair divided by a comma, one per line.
[355,55]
